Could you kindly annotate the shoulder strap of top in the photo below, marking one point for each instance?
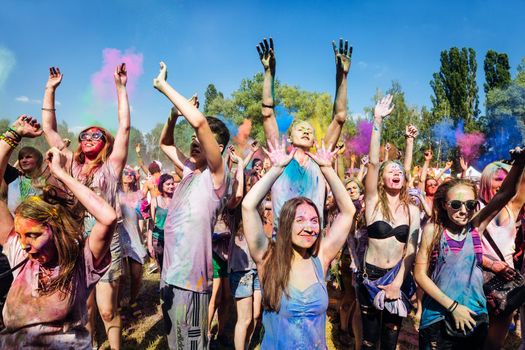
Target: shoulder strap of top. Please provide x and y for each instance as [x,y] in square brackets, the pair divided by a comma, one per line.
[318,269]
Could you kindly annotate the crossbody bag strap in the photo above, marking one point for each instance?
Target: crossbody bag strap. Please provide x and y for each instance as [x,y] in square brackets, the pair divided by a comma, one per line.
[494,246]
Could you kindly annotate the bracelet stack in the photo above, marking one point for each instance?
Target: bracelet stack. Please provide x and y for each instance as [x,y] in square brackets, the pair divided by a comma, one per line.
[11,137]
[453,307]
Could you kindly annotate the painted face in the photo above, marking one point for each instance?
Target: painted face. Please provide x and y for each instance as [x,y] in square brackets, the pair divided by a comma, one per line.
[393,176]
[91,142]
[168,186]
[497,180]
[302,135]
[28,163]
[36,239]
[305,228]
[353,190]
[431,187]
[461,216]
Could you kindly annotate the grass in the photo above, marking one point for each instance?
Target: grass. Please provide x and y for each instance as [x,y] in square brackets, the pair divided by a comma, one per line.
[147,332]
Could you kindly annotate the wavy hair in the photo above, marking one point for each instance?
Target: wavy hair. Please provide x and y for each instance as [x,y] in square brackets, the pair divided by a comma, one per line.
[382,203]
[105,152]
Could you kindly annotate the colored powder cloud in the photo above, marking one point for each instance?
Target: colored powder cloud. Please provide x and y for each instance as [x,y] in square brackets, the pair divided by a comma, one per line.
[503,134]
[360,143]
[444,132]
[243,133]
[232,127]
[469,144]
[103,81]
[284,119]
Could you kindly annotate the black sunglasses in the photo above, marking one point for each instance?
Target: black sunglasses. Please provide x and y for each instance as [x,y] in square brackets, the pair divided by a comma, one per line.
[470,205]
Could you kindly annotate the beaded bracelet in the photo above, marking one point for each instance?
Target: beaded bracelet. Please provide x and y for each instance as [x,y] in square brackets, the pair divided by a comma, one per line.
[15,134]
[12,143]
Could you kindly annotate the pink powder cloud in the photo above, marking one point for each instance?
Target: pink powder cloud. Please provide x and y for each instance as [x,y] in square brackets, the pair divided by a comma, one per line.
[103,81]
[469,144]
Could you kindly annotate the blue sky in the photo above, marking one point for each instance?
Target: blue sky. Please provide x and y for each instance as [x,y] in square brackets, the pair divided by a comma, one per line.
[214,42]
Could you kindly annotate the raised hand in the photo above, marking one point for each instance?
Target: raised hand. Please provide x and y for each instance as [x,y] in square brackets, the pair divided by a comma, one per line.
[428,155]
[266,54]
[55,78]
[277,153]
[343,56]
[162,77]
[137,148]
[233,155]
[517,154]
[323,157]
[463,163]
[121,75]
[364,160]
[388,146]
[194,101]
[411,131]
[254,146]
[56,161]
[448,164]
[384,107]
[27,126]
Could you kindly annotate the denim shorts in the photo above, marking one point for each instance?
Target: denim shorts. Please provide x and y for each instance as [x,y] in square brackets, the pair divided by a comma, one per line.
[244,283]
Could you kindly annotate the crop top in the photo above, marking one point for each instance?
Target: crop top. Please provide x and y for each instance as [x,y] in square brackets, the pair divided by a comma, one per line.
[382,229]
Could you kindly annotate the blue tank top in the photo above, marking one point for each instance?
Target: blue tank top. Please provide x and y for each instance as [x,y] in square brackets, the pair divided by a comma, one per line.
[301,320]
[460,277]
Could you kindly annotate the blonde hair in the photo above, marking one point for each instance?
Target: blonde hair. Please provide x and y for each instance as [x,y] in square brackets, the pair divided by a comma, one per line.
[485,183]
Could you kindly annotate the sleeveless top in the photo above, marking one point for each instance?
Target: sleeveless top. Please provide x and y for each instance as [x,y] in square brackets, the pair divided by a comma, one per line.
[503,236]
[459,276]
[301,320]
[160,219]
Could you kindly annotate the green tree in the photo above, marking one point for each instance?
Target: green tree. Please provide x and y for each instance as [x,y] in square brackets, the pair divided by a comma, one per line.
[497,70]
[455,88]
[209,96]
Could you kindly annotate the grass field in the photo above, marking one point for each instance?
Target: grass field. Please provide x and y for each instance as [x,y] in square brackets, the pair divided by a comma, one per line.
[147,332]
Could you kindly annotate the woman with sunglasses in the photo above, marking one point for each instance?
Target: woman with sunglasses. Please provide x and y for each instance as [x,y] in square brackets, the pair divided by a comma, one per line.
[54,266]
[392,230]
[133,252]
[501,231]
[97,163]
[449,261]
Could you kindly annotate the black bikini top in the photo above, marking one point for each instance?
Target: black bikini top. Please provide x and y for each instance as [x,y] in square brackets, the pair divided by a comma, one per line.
[382,230]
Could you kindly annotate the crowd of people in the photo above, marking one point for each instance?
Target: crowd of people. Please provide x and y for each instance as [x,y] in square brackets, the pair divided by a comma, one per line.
[254,235]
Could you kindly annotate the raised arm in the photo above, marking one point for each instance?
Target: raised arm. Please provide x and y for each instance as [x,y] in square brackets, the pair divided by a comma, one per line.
[140,160]
[119,155]
[167,142]
[424,171]
[198,121]
[411,133]
[363,168]
[238,184]
[253,226]
[24,126]
[254,147]
[340,227]
[343,60]
[267,57]
[447,167]
[382,109]
[507,191]
[49,119]
[105,216]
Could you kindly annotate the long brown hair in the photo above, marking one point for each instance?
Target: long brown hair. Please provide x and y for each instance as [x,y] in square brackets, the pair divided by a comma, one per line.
[382,203]
[440,217]
[66,235]
[104,153]
[278,257]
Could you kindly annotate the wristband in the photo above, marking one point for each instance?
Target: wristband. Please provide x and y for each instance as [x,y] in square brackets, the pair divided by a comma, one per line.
[268,106]
[49,109]
[453,307]
[16,135]
[12,143]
